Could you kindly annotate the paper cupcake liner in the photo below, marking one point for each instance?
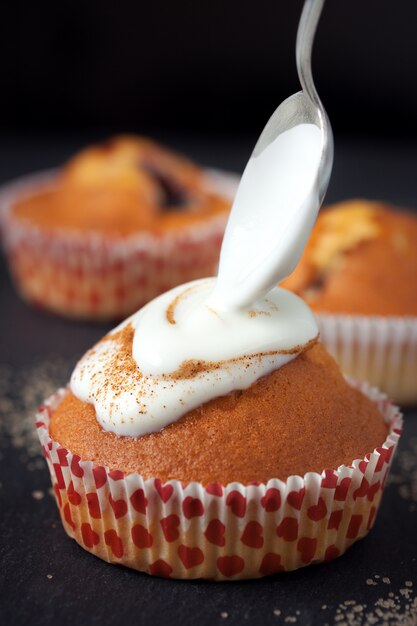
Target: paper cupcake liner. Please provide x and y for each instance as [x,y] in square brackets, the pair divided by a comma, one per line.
[94,276]
[214,531]
[380,350]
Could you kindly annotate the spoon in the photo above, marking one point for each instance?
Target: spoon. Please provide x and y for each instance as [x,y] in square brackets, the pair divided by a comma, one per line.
[281,189]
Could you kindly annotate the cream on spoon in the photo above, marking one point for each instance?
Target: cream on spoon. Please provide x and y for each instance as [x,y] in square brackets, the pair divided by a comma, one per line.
[205,339]
[272,216]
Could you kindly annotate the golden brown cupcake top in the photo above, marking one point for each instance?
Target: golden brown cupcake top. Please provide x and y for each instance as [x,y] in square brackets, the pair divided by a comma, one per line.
[302,417]
[124,185]
[360,259]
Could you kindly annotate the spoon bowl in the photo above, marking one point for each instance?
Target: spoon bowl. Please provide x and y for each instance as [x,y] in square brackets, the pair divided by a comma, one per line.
[295,110]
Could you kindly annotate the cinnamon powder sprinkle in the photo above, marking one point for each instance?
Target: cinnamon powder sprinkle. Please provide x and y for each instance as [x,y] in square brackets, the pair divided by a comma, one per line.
[117,372]
[258,313]
[173,305]
[124,363]
[122,367]
[192,368]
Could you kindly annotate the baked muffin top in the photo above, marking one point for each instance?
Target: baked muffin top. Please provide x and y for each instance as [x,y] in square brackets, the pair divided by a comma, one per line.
[124,185]
[361,259]
[302,417]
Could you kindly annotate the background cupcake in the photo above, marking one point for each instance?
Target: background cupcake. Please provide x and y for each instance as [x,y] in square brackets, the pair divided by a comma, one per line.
[120,223]
[359,275]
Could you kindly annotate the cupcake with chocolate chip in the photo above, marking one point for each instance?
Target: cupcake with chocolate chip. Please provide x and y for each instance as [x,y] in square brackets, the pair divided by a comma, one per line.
[120,223]
[359,275]
[219,468]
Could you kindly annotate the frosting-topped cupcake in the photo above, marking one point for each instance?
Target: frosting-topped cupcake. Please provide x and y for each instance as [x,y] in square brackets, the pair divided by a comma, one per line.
[284,469]
[120,223]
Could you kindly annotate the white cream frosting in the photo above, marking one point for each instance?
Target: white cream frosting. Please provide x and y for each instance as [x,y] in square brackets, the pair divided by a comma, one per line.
[203,355]
[213,336]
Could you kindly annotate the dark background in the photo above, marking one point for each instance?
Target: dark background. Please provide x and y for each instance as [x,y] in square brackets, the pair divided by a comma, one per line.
[202,76]
[202,65]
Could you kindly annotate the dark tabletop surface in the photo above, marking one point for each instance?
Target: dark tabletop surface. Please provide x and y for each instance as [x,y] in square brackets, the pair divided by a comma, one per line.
[45,578]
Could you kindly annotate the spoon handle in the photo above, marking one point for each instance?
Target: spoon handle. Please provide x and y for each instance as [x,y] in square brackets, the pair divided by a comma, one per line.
[305,37]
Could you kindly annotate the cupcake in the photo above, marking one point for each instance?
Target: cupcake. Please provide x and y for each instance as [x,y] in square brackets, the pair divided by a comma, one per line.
[359,275]
[220,468]
[120,223]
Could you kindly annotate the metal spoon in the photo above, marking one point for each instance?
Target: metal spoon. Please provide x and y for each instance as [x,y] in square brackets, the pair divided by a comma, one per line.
[304,106]
[265,235]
